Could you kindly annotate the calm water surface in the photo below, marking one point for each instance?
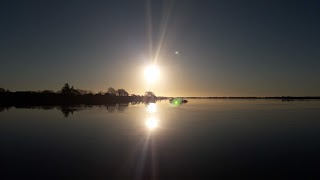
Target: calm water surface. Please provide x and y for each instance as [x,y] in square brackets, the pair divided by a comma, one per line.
[203,139]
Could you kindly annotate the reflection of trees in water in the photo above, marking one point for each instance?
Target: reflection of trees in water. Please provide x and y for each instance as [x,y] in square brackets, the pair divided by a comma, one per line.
[3,108]
[117,107]
[67,110]
[47,107]
[36,107]
[122,107]
[112,108]
[146,103]
[134,103]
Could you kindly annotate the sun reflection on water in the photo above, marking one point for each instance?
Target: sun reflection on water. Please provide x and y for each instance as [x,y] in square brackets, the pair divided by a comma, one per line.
[151,108]
[152,123]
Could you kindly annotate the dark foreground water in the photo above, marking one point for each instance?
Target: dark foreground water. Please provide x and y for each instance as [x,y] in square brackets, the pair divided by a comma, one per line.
[203,139]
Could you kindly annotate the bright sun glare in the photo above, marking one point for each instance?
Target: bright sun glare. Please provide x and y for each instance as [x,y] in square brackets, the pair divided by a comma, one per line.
[151,73]
[152,123]
[151,108]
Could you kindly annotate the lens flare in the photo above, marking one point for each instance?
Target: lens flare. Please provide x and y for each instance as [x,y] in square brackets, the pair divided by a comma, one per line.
[176,101]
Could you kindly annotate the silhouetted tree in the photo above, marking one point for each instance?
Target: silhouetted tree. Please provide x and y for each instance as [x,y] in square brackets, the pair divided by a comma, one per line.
[122,92]
[101,93]
[66,89]
[75,91]
[112,91]
[81,92]
[2,90]
[149,94]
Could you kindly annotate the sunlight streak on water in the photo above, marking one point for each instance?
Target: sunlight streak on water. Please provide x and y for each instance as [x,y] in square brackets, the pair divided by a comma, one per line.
[151,108]
[152,123]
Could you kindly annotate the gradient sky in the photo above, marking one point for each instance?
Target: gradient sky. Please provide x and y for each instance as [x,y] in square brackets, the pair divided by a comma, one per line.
[226,48]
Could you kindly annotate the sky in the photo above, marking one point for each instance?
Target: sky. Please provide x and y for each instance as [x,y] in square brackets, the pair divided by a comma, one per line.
[226,48]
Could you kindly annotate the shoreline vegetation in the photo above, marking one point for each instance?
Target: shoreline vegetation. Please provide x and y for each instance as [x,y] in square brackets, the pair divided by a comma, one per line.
[70,96]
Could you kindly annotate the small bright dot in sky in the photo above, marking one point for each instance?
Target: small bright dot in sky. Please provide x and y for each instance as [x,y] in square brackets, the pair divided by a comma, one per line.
[151,73]
[176,52]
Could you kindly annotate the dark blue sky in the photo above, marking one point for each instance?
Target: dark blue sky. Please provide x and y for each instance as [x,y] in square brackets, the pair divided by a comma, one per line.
[226,48]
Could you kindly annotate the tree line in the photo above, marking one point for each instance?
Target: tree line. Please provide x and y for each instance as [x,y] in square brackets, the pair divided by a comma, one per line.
[70,90]
[68,95]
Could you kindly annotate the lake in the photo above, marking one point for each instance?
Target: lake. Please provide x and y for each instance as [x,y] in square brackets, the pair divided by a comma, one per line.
[202,139]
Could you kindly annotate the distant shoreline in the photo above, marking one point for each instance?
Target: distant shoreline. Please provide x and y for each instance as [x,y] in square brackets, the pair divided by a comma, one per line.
[55,99]
[251,97]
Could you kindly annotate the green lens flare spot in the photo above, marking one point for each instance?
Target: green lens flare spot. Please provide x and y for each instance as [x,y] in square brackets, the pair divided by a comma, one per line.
[176,101]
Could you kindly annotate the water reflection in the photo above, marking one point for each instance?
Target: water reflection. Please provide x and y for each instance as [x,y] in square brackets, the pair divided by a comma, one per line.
[122,107]
[152,123]
[70,110]
[112,108]
[117,107]
[151,108]
[67,110]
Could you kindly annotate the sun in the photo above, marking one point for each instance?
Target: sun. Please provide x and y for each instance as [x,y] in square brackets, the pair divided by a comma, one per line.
[151,73]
